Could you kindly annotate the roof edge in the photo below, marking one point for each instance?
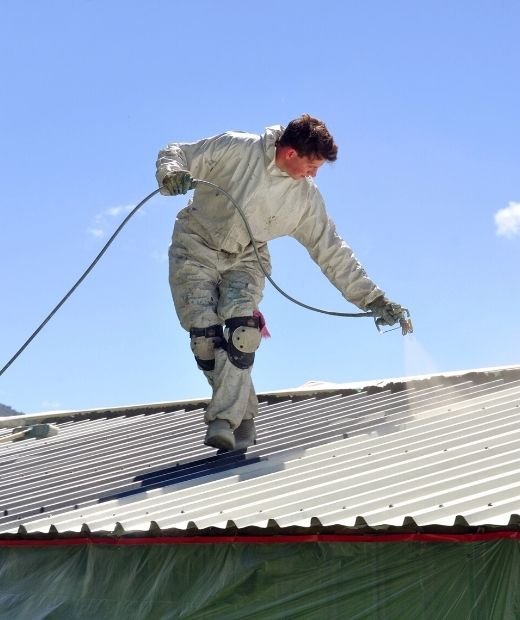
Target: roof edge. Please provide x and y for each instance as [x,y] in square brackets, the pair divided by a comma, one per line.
[409,531]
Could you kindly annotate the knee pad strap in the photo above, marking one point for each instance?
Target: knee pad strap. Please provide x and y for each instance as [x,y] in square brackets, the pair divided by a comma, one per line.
[204,341]
[243,339]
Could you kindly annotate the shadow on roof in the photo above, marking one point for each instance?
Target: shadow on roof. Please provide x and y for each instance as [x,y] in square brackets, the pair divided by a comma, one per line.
[184,472]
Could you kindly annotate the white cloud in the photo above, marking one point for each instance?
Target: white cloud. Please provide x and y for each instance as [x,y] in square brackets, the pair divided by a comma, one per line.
[114,211]
[507,220]
[103,223]
[96,232]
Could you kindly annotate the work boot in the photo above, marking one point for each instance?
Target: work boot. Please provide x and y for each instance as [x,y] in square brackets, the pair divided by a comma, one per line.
[245,434]
[219,435]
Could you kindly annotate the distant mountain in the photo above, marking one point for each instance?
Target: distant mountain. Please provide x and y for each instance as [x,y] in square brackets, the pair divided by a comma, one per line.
[6,410]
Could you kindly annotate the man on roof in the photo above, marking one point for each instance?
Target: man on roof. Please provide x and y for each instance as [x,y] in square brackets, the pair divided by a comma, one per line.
[215,278]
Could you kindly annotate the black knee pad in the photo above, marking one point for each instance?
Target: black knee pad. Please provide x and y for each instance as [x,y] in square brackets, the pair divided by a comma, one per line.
[243,339]
[204,341]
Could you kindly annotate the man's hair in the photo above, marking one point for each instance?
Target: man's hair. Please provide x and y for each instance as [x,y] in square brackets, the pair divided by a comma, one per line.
[309,137]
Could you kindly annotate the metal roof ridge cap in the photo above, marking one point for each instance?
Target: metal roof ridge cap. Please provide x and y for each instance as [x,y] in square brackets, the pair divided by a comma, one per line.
[27,418]
[356,386]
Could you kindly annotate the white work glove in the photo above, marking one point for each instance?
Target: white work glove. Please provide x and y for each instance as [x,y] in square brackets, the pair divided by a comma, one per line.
[178,182]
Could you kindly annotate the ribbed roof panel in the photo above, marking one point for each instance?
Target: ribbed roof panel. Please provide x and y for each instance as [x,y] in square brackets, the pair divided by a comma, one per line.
[428,452]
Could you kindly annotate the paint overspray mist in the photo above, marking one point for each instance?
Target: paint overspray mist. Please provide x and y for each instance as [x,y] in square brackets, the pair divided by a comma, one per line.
[417,361]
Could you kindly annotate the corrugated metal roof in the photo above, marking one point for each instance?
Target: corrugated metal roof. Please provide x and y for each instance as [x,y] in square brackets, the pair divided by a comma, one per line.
[421,453]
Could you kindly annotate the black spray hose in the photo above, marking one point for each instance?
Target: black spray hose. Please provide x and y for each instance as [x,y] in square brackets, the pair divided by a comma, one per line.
[85,274]
[264,270]
[118,230]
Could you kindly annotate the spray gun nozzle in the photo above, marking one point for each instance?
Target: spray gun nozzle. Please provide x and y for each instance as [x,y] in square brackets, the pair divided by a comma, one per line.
[406,322]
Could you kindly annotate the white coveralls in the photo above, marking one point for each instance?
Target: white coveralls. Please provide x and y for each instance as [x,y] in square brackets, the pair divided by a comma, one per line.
[214,274]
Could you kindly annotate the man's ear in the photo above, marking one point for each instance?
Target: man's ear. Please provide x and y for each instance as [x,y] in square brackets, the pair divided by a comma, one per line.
[290,153]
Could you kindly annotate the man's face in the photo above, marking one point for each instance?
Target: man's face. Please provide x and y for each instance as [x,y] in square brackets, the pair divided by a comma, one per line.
[299,167]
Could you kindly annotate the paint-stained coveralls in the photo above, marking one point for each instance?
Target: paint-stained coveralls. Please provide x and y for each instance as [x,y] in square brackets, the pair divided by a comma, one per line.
[214,274]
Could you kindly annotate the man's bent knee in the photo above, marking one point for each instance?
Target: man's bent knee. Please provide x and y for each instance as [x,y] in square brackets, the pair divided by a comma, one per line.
[204,341]
[243,339]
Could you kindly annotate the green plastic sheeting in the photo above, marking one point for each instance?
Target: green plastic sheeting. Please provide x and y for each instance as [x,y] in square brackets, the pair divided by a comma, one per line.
[238,581]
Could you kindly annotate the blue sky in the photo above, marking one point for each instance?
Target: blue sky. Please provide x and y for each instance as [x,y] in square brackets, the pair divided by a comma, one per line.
[422,98]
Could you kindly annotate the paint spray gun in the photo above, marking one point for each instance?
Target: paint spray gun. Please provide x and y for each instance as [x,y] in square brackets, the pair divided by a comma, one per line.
[405,322]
